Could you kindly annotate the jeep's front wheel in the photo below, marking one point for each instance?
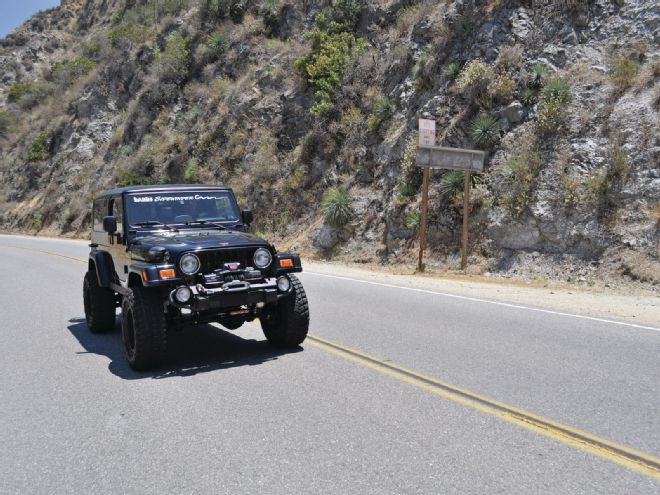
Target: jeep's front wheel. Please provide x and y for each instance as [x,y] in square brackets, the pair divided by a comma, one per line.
[143,328]
[99,304]
[287,324]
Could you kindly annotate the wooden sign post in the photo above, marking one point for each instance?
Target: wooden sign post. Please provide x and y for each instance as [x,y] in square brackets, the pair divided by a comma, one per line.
[426,139]
[431,156]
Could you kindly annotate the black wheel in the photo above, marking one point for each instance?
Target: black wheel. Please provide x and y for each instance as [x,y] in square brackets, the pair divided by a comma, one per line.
[143,328]
[287,324]
[99,304]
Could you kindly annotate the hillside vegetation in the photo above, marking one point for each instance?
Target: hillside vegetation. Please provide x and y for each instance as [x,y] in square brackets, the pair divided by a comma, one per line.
[309,109]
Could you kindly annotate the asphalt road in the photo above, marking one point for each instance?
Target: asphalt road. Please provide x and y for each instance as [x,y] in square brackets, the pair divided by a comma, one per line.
[227,414]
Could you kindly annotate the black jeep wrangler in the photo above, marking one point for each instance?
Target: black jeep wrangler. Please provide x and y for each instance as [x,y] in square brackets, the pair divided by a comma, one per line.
[181,254]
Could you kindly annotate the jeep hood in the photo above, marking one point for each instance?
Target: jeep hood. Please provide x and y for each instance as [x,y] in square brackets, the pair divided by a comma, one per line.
[177,242]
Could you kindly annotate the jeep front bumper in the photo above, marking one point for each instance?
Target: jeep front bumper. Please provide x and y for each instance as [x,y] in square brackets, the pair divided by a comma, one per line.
[229,295]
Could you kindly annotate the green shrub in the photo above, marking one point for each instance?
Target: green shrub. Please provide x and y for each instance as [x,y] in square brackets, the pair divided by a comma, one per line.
[474,79]
[408,191]
[453,70]
[485,130]
[452,183]
[270,15]
[127,30]
[552,109]
[336,206]
[529,96]
[191,174]
[323,67]
[172,62]
[125,151]
[551,116]
[620,163]
[463,26]
[132,178]
[37,220]
[6,121]
[34,94]
[557,89]
[381,112]
[520,173]
[211,11]
[17,90]
[67,72]
[347,12]
[40,147]
[414,220]
[422,72]
[537,76]
[91,49]
[606,177]
[502,88]
[624,73]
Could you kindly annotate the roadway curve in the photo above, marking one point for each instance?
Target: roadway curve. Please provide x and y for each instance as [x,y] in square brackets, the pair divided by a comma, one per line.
[227,414]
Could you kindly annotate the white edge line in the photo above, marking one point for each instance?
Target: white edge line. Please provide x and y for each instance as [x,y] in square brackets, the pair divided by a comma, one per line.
[476,299]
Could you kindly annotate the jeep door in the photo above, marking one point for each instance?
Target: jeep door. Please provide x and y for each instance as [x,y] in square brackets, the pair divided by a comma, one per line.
[117,241]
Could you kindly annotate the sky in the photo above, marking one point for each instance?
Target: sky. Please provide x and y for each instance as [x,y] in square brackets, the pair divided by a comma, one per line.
[14,12]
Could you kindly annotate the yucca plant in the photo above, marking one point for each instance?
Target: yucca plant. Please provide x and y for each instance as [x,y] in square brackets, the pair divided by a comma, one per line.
[382,111]
[413,220]
[453,70]
[217,43]
[452,183]
[537,75]
[336,205]
[485,130]
[558,90]
[529,96]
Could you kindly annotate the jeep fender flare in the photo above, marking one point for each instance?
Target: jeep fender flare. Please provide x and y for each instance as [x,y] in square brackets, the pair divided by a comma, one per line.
[102,263]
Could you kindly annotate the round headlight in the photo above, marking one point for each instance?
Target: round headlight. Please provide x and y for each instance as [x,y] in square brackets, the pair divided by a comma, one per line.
[262,258]
[183,294]
[283,284]
[189,264]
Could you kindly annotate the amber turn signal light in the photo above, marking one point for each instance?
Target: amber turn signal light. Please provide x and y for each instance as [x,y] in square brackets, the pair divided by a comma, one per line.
[168,273]
[286,263]
[145,275]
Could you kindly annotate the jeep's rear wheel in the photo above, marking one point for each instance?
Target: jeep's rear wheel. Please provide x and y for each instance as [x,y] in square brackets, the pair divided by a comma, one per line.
[287,324]
[143,328]
[99,304]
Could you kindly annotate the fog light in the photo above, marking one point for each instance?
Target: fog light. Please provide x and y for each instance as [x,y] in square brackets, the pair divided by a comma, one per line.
[183,295]
[283,284]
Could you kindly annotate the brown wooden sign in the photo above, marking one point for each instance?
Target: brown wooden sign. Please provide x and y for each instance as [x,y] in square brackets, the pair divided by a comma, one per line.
[429,156]
[451,158]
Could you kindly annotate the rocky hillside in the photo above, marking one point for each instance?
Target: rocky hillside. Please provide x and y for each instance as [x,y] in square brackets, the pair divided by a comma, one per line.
[309,109]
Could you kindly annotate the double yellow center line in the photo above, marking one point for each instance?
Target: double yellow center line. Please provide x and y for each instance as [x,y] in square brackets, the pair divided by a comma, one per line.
[620,454]
[632,459]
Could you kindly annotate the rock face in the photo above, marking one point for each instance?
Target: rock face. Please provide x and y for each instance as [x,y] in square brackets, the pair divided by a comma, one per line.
[106,92]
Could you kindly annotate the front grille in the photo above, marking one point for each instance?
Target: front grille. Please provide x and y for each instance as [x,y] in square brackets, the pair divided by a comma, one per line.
[215,259]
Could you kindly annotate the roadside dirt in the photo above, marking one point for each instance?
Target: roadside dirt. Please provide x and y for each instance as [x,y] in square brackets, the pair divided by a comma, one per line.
[633,305]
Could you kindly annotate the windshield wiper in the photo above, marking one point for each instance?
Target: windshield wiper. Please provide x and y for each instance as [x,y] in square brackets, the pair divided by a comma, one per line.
[152,223]
[205,222]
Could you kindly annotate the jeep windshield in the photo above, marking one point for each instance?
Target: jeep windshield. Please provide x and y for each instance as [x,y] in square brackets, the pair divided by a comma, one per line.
[183,209]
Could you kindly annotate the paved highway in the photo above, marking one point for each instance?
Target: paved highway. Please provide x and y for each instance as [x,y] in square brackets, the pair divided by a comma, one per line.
[398,391]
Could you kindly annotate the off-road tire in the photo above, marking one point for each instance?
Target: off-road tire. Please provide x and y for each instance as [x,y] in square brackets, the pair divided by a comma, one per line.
[287,324]
[99,304]
[143,328]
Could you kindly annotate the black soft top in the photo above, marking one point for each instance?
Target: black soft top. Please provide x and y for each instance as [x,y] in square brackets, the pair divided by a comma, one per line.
[163,188]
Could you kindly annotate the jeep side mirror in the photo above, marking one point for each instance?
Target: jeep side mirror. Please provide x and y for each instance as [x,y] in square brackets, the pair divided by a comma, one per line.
[247,215]
[110,224]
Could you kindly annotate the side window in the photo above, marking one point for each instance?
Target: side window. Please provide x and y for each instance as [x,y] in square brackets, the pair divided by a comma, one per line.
[98,212]
[116,211]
